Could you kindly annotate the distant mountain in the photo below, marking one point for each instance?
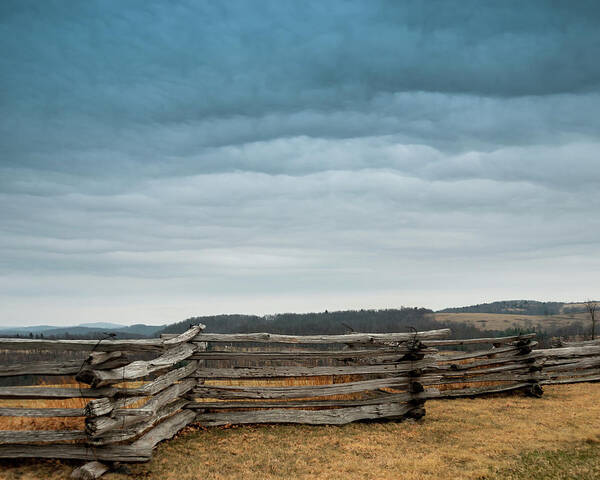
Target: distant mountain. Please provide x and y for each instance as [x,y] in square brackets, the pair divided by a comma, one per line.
[137,329]
[20,330]
[519,307]
[101,325]
[84,332]
[87,330]
[141,329]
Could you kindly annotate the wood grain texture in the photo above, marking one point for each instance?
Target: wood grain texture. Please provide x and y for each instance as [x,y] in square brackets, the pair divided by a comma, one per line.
[337,416]
[474,341]
[563,381]
[117,453]
[517,368]
[496,352]
[321,339]
[376,355]
[122,419]
[185,336]
[378,399]
[106,360]
[506,377]
[586,363]
[89,471]
[41,412]
[157,401]
[68,367]
[471,392]
[294,371]
[139,428]
[165,430]
[211,391]
[55,392]
[40,436]
[137,369]
[98,407]
[570,352]
[143,345]
[168,379]
[443,364]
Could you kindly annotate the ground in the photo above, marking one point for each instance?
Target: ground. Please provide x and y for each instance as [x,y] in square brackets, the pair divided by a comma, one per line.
[503,321]
[507,437]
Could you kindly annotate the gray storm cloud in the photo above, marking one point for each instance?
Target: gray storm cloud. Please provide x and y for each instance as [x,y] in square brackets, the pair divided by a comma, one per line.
[168,159]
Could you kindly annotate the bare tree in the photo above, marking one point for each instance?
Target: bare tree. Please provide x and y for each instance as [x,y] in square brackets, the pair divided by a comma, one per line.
[591,308]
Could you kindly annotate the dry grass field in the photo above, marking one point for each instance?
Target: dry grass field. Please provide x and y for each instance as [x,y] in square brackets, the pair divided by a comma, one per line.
[502,437]
[52,423]
[33,423]
[502,321]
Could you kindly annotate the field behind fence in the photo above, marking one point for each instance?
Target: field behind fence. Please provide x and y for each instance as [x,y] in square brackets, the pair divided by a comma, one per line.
[125,396]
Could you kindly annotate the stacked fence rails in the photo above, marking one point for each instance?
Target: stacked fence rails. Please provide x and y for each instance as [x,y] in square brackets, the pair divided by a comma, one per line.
[314,379]
[573,362]
[508,363]
[135,393]
[140,392]
[122,420]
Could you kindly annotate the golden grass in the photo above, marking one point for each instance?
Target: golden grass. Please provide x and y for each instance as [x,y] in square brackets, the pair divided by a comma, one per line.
[51,423]
[47,423]
[457,439]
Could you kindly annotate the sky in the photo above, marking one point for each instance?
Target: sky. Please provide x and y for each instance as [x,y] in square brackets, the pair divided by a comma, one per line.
[167,159]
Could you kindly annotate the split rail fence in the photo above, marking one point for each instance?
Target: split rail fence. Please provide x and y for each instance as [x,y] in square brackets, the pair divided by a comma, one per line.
[218,379]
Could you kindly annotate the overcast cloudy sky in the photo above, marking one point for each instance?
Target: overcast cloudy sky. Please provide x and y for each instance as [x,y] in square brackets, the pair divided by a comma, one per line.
[166,159]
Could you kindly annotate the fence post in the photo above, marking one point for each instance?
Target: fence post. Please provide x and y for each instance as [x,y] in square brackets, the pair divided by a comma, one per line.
[534,389]
[415,387]
[109,421]
[96,408]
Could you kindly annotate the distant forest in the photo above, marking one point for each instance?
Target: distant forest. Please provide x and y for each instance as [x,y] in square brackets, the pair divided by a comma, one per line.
[396,320]
[339,322]
[518,307]
[81,333]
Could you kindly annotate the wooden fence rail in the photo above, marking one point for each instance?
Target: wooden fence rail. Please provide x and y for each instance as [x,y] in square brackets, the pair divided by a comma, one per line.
[219,379]
[510,364]
[572,364]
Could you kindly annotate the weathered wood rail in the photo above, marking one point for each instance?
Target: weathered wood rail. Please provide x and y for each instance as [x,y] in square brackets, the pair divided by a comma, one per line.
[201,377]
[123,422]
[509,363]
[353,377]
[219,379]
[512,363]
[573,363]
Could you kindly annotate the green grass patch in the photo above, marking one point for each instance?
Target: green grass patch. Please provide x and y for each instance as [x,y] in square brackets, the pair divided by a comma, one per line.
[578,463]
